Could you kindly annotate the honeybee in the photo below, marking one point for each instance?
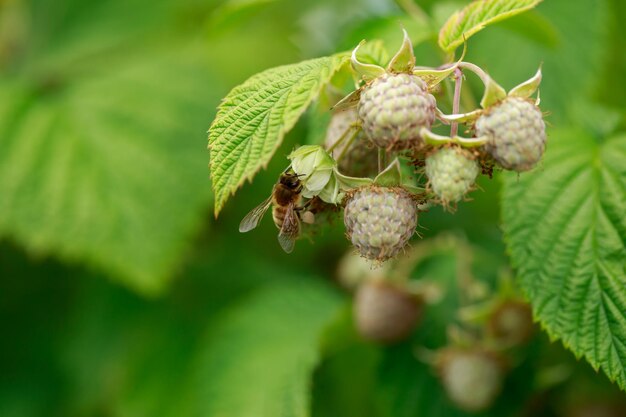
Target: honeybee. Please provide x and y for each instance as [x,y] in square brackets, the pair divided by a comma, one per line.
[284,200]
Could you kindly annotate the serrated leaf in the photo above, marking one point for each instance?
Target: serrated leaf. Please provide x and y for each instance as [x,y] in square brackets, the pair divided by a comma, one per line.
[260,357]
[566,232]
[475,16]
[99,165]
[254,117]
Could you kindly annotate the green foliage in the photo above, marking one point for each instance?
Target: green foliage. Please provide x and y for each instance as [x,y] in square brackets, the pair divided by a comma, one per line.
[254,117]
[566,231]
[478,14]
[103,109]
[85,171]
[572,68]
[261,353]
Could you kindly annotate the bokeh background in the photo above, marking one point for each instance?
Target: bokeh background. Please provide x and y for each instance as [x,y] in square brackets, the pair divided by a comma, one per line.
[121,295]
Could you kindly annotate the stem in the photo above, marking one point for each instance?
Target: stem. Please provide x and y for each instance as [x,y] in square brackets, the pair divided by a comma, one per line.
[470,142]
[344,151]
[381,160]
[343,136]
[464,274]
[476,70]
[414,10]
[458,82]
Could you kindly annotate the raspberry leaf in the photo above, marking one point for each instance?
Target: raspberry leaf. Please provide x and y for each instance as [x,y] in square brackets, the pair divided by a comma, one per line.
[98,161]
[475,16]
[259,358]
[566,232]
[254,117]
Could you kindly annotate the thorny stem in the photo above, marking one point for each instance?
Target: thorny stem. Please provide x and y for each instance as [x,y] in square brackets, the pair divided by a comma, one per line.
[458,82]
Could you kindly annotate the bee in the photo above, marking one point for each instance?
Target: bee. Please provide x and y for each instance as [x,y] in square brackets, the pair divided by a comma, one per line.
[285,199]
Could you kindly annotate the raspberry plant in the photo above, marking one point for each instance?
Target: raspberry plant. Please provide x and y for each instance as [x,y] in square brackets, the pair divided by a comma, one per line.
[493,215]
[397,145]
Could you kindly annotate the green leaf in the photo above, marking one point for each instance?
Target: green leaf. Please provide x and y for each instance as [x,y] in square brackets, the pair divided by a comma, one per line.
[475,16]
[99,163]
[260,357]
[583,39]
[254,117]
[566,232]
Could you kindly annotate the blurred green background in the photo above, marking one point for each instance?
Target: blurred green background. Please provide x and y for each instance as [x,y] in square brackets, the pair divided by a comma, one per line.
[120,295]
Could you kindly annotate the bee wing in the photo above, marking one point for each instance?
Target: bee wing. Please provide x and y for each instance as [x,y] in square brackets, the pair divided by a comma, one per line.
[253,218]
[290,230]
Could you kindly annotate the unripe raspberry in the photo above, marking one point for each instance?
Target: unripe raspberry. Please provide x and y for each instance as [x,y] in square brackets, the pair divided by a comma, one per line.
[472,378]
[511,322]
[516,131]
[385,313]
[451,173]
[393,109]
[380,220]
[353,270]
[361,158]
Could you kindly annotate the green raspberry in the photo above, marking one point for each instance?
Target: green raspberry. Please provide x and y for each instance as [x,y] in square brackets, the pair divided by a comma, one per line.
[385,313]
[472,378]
[516,132]
[451,173]
[380,221]
[511,323]
[393,108]
[361,158]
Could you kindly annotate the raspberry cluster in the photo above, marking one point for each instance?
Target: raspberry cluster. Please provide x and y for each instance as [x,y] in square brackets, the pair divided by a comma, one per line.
[393,113]
[384,159]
